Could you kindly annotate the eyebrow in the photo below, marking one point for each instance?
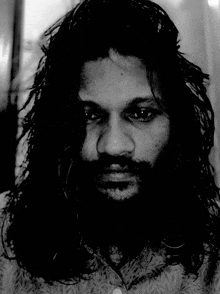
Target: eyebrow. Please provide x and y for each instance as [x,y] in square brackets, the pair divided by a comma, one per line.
[129,104]
[90,103]
[135,101]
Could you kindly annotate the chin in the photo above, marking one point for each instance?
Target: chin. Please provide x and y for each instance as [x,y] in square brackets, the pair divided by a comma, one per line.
[119,193]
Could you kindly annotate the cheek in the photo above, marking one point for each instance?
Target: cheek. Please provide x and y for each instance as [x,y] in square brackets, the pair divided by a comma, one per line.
[89,151]
[149,144]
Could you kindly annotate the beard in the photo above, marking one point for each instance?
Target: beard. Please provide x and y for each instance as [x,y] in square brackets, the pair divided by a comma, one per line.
[160,206]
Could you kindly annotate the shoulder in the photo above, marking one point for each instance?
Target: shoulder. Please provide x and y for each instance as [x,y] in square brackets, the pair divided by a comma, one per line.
[216,281]
[6,268]
[210,274]
[3,200]
[2,206]
[14,279]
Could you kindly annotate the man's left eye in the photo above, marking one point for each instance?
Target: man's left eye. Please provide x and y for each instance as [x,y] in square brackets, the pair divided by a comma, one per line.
[142,114]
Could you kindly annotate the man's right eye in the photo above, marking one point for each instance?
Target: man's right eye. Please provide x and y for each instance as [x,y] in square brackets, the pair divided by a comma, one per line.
[92,115]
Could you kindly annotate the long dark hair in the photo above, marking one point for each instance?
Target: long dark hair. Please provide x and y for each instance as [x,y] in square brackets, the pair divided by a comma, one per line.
[41,233]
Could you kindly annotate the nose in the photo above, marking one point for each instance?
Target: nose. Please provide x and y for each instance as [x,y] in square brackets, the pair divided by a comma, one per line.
[115,138]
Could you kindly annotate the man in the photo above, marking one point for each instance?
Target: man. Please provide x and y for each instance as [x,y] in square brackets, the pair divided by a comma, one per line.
[116,192]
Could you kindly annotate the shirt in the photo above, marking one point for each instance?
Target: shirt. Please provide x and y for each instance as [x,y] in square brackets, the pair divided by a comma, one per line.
[172,280]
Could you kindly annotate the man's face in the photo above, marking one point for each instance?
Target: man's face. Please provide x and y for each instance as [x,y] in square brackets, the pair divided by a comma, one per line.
[123,121]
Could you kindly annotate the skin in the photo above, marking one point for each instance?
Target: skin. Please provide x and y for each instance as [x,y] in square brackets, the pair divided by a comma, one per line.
[123,119]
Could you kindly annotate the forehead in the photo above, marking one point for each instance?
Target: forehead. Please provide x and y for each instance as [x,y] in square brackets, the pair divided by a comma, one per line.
[129,64]
[115,79]
[126,64]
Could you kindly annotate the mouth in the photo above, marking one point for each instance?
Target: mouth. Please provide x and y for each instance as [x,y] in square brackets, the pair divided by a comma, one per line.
[117,177]
[116,173]
[117,183]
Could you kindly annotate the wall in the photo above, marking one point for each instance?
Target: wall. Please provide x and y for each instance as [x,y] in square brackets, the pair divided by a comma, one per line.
[198,22]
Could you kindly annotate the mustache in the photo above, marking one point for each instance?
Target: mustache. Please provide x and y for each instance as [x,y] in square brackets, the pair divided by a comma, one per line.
[80,177]
[108,163]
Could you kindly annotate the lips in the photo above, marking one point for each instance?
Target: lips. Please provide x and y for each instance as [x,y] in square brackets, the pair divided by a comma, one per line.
[116,168]
[118,185]
[117,181]
[118,176]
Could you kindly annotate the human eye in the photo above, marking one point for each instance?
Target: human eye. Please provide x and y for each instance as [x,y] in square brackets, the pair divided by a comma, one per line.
[142,114]
[93,115]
